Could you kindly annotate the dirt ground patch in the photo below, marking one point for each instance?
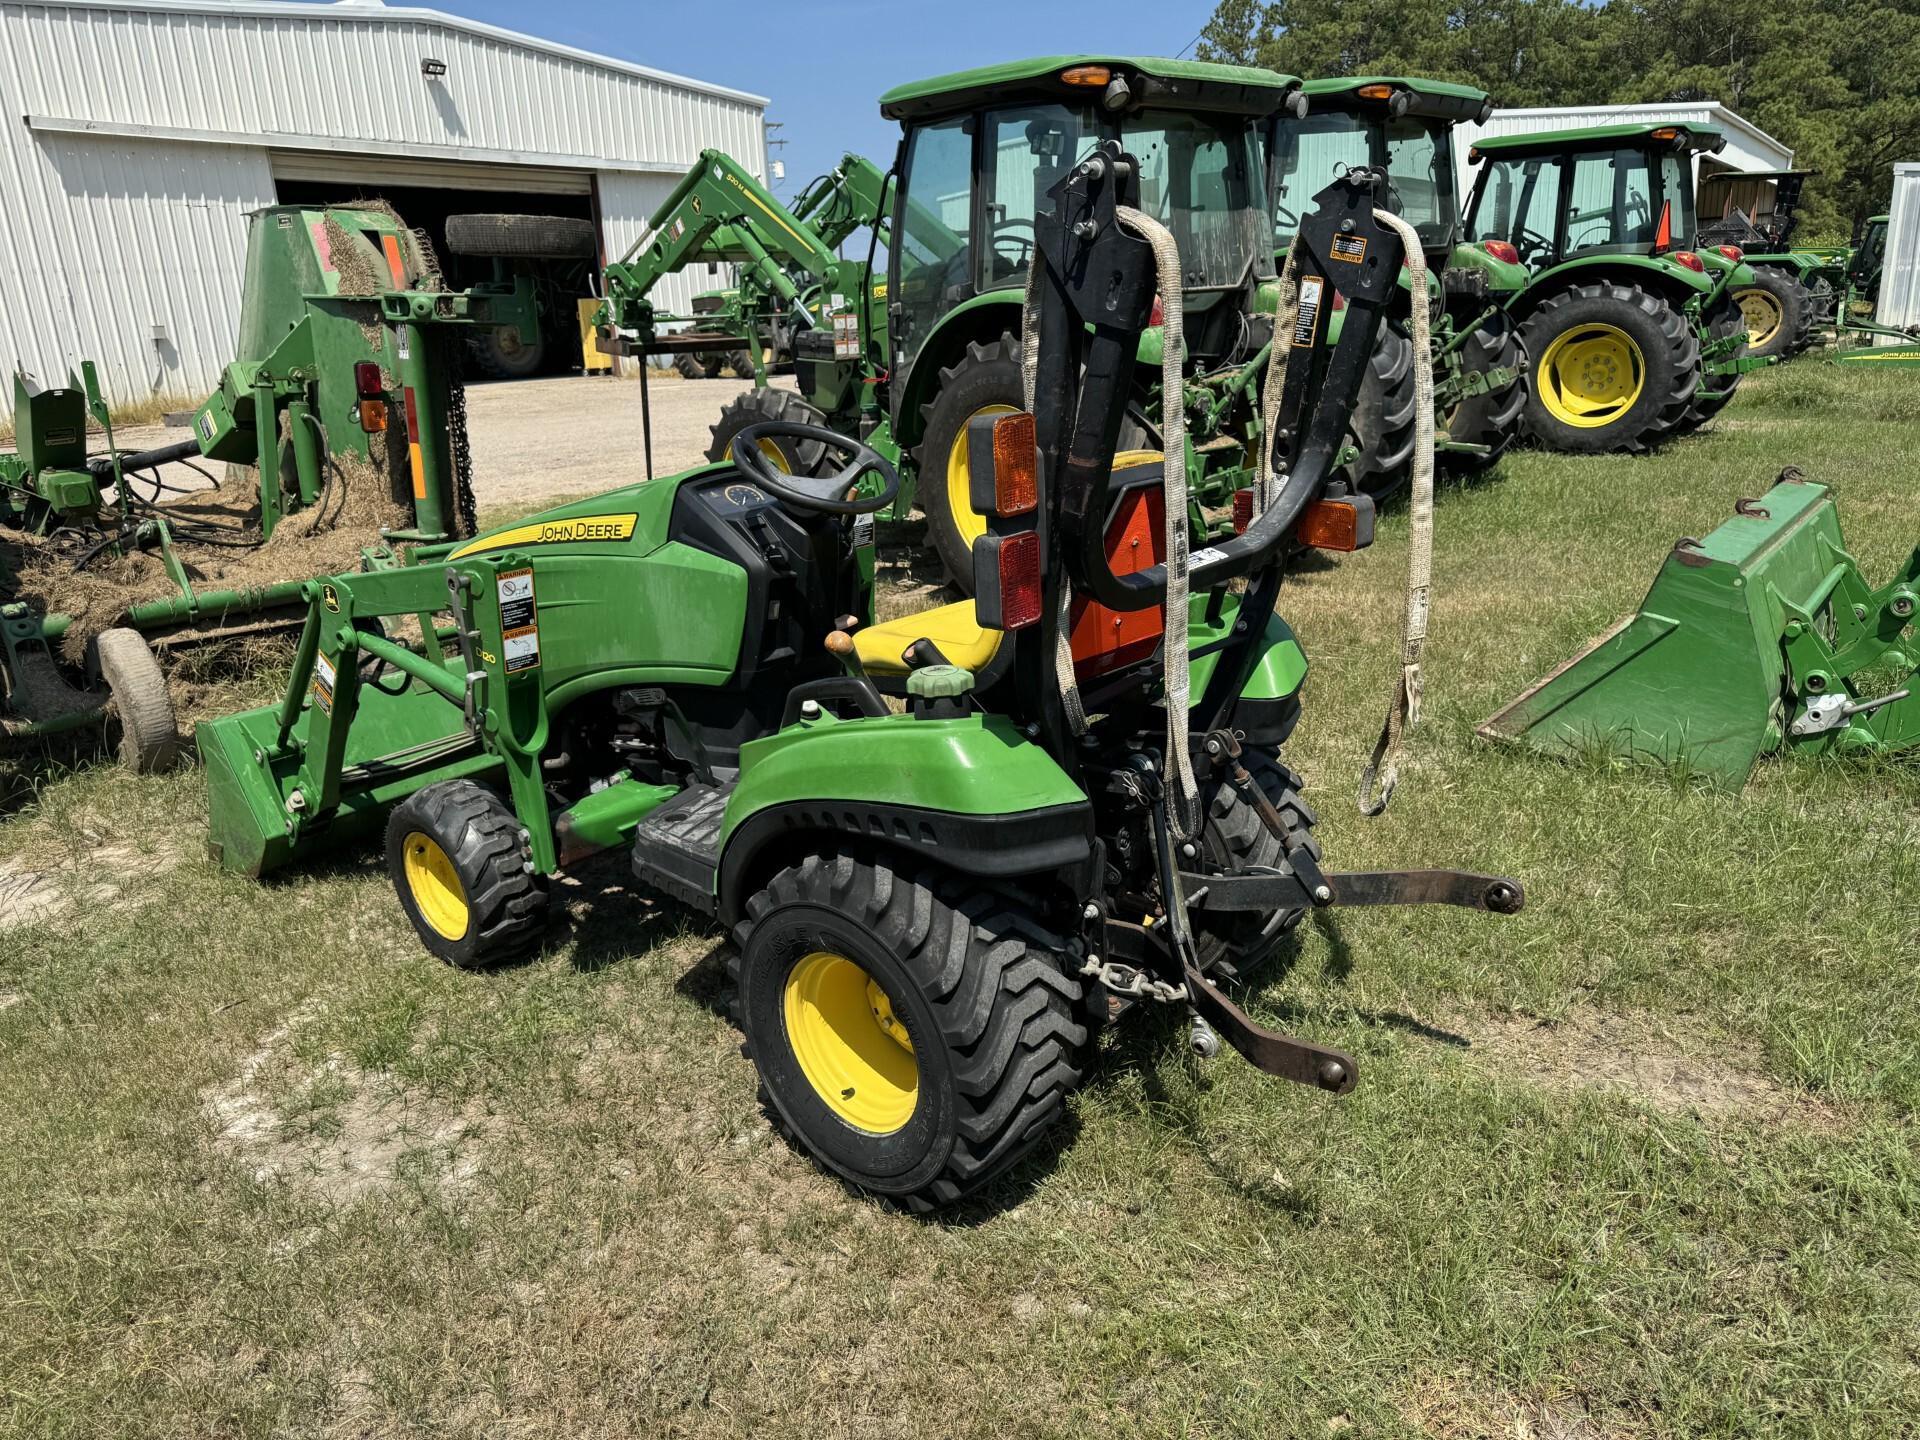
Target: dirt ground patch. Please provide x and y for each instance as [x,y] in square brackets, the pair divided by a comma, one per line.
[33,890]
[1589,1049]
[335,1131]
[1449,1409]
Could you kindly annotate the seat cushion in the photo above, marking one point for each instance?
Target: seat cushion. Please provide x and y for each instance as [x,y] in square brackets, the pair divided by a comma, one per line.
[952,629]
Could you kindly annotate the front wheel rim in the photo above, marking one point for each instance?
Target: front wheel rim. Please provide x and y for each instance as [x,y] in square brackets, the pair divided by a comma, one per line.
[851,1047]
[1591,375]
[435,886]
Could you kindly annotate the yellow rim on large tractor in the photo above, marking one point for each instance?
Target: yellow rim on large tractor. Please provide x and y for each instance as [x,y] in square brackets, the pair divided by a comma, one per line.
[966,520]
[772,451]
[1764,316]
[435,886]
[851,1047]
[1591,376]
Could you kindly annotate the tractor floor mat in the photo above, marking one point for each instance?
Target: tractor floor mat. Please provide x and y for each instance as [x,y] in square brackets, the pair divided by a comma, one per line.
[676,849]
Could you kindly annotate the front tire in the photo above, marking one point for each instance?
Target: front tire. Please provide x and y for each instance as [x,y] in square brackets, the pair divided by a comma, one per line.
[504,354]
[1777,310]
[986,381]
[148,731]
[463,874]
[916,1036]
[1492,419]
[759,407]
[1614,368]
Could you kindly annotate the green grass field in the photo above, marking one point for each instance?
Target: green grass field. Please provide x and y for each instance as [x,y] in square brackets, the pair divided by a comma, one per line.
[1640,1162]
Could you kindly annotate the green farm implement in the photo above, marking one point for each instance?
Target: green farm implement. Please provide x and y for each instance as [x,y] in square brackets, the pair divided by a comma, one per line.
[1763,637]
[903,362]
[1404,126]
[1631,337]
[948,847]
[347,383]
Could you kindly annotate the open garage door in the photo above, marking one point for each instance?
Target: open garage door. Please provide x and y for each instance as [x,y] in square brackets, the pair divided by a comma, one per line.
[426,192]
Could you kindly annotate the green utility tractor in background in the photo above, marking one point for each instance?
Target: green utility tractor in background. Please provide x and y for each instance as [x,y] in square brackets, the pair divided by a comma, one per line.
[348,379]
[1403,125]
[1792,297]
[732,317]
[934,907]
[1631,338]
[909,359]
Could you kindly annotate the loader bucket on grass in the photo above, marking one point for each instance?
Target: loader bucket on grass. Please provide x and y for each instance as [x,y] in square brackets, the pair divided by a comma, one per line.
[1748,641]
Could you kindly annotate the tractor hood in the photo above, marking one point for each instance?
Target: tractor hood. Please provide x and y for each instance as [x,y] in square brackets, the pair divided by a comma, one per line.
[1120,83]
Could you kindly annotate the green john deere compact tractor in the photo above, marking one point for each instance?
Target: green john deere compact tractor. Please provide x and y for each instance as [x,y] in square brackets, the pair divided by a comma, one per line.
[910,358]
[348,375]
[1404,126]
[1080,807]
[1631,338]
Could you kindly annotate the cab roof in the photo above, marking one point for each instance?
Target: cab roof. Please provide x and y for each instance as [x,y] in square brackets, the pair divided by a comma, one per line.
[1599,137]
[1425,99]
[1195,84]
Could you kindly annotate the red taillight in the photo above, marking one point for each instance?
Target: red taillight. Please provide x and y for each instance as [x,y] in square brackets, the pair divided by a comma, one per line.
[1159,314]
[1019,580]
[1339,302]
[366,380]
[1733,253]
[1242,511]
[1692,261]
[1502,250]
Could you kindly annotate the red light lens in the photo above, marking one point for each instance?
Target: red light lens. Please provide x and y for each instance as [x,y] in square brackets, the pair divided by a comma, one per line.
[366,380]
[1502,250]
[1020,580]
[1733,253]
[1242,511]
[1159,315]
[1692,261]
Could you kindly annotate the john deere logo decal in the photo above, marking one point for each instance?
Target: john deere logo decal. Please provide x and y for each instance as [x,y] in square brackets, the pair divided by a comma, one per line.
[330,597]
[573,530]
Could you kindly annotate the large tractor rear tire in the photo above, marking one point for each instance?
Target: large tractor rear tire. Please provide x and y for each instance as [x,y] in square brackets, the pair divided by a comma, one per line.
[1381,426]
[914,1034]
[1492,419]
[1614,368]
[1234,839]
[986,381]
[688,365]
[1778,312]
[504,355]
[1723,320]
[523,237]
[456,856]
[141,718]
[763,406]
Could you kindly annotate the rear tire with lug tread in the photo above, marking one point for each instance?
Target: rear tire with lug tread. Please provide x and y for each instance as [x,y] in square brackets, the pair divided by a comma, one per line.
[1723,320]
[458,862]
[1778,312]
[142,710]
[687,365]
[916,1035]
[1382,424]
[986,381]
[1235,839]
[764,405]
[1493,419]
[1630,390]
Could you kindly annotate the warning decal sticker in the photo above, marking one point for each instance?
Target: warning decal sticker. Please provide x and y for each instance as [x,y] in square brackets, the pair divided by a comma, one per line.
[1306,323]
[519,626]
[1350,248]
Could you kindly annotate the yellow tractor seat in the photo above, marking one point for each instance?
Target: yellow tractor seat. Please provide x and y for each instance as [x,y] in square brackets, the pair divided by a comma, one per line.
[952,628]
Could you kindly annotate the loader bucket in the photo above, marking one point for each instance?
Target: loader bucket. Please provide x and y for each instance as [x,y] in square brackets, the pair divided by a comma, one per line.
[1698,678]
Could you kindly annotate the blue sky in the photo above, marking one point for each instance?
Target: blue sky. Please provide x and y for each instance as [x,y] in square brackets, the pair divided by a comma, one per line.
[825,99]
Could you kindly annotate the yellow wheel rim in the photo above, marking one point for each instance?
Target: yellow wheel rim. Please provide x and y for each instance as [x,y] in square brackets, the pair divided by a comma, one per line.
[970,524]
[850,1046]
[767,448]
[1763,313]
[1591,375]
[435,886]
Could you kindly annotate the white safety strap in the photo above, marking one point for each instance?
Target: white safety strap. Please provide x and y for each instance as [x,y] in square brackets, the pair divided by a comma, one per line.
[1403,709]
[1273,384]
[1183,795]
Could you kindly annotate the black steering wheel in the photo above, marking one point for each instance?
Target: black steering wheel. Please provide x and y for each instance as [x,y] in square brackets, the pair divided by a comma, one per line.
[822,494]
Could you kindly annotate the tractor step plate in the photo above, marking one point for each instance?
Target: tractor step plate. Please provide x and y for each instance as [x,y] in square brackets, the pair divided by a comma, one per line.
[676,849]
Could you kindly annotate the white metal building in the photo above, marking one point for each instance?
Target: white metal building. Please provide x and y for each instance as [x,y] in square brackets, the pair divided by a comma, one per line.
[1899,302]
[140,133]
[1748,146]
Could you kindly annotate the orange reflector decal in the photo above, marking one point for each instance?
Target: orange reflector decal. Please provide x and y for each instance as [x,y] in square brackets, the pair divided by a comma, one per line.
[1329,525]
[1663,237]
[1016,484]
[391,245]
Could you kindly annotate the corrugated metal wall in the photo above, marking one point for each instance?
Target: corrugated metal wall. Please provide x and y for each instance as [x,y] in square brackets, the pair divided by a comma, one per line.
[1900,281]
[141,222]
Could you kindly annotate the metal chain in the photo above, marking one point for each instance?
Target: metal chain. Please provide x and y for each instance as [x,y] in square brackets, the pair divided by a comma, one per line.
[462,451]
[1134,983]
